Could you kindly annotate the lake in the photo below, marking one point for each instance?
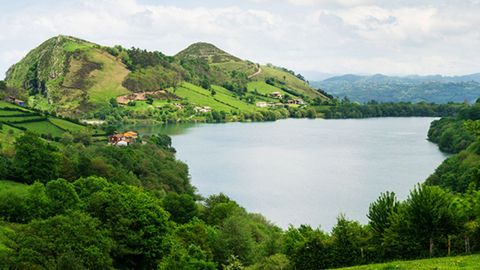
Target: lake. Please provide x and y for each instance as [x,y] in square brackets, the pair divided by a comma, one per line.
[300,171]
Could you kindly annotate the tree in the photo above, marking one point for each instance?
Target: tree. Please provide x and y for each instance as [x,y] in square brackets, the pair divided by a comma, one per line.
[182,207]
[422,225]
[137,223]
[62,196]
[71,241]
[35,159]
[348,242]
[380,212]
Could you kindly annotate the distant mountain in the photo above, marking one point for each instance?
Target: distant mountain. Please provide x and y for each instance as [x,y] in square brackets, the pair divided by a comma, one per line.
[414,88]
[71,76]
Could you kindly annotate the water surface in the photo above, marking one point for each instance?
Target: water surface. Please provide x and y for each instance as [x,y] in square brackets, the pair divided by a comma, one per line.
[300,171]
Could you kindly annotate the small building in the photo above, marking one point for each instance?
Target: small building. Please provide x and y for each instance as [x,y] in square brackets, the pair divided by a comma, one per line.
[20,102]
[262,104]
[16,101]
[123,139]
[276,95]
[296,101]
[204,109]
[178,106]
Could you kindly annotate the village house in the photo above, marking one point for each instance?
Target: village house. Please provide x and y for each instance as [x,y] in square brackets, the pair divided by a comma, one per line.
[123,139]
[15,101]
[276,95]
[296,102]
[178,106]
[262,104]
[204,109]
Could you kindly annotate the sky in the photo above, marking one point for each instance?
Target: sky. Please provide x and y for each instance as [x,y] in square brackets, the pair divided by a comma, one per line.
[314,37]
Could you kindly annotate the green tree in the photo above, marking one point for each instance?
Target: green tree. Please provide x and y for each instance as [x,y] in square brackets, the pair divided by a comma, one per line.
[380,212]
[71,241]
[137,223]
[422,225]
[348,242]
[35,159]
[182,207]
[62,196]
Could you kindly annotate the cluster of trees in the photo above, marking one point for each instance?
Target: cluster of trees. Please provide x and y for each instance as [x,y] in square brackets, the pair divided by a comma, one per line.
[35,159]
[431,222]
[345,109]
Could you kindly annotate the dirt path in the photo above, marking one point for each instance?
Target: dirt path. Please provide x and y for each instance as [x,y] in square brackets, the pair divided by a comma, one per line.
[256,73]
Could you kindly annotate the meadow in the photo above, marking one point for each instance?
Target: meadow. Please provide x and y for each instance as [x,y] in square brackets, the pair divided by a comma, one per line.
[445,263]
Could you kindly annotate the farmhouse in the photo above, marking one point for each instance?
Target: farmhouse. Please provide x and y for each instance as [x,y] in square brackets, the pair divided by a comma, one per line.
[204,109]
[123,139]
[276,95]
[15,101]
[296,101]
[262,104]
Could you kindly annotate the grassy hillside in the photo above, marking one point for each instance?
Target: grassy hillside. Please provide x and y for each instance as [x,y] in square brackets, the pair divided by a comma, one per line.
[447,263]
[77,78]
[72,75]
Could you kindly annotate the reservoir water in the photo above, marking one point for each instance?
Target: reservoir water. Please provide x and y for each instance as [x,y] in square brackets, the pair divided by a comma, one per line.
[300,171]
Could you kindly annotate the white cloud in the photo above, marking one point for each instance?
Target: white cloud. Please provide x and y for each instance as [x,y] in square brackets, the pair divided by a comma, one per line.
[360,36]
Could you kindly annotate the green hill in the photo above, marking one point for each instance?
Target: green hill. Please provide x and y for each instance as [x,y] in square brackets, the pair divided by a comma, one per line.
[73,77]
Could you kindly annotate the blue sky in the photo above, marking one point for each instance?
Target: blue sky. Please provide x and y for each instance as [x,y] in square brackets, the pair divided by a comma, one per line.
[309,36]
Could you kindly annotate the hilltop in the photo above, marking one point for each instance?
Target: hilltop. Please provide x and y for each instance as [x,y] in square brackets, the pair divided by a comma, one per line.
[414,88]
[78,78]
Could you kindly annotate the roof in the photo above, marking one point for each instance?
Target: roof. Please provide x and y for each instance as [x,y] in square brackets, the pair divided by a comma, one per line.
[130,134]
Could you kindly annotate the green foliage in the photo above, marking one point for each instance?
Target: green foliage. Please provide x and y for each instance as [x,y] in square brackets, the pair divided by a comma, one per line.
[181,207]
[35,159]
[450,134]
[136,221]
[380,212]
[71,241]
[346,109]
[62,196]
[423,223]
[151,79]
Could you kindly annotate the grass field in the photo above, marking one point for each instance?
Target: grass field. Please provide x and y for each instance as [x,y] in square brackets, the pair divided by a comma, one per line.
[66,125]
[264,88]
[71,46]
[228,97]
[10,187]
[4,104]
[11,119]
[291,81]
[446,263]
[108,80]
[237,66]
[200,97]
[43,127]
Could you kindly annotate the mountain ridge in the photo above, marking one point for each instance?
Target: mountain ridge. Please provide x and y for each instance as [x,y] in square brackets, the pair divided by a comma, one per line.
[72,76]
[411,88]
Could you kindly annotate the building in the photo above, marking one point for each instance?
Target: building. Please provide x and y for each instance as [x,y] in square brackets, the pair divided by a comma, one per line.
[204,109]
[296,101]
[123,139]
[14,100]
[262,104]
[276,95]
